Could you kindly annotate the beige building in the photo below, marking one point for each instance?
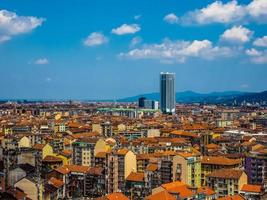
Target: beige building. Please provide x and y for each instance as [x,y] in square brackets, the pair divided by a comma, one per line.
[101,146]
[153,133]
[121,127]
[126,165]
[26,157]
[29,187]
[226,181]
[24,142]
[44,150]
[96,128]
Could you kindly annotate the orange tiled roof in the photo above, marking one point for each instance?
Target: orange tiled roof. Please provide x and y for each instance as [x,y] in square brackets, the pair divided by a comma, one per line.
[164,153]
[72,168]
[136,177]
[178,187]
[252,188]
[186,154]
[226,173]
[219,160]
[52,159]
[73,125]
[63,170]
[195,127]
[144,156]
[183,191]
[101,155]
[248,144]
[66,152]
[163,195]
[170,185]
[122,151]
[56,182]
[116,196]
[38,147]
[84,135]
[206,190]
[152,167]
[196,151]
[96,170]
[184,133]
[213,146]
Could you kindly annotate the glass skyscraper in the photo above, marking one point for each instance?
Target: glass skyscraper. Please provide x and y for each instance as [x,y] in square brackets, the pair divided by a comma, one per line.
[167,92]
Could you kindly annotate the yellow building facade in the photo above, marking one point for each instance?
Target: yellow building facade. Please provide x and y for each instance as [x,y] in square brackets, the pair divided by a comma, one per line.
[187,168]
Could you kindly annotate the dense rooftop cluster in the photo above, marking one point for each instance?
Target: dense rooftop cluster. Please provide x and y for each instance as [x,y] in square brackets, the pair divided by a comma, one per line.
[115,151]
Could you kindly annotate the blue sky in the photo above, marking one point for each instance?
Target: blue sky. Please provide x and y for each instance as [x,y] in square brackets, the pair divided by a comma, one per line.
[107,49]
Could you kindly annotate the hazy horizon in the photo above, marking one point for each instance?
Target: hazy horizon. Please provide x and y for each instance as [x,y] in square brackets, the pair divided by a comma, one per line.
[119,97]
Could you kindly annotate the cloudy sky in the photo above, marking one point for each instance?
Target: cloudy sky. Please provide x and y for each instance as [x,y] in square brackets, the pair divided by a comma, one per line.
[106,49]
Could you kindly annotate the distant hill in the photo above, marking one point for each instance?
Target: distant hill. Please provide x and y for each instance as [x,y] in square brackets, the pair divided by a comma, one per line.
[252,97]
[213,97]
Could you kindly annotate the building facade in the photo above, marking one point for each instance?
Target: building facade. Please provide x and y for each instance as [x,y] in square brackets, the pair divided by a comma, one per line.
[167,92]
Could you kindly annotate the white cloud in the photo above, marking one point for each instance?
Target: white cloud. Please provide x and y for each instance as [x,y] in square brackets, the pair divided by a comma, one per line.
[135,41]
[126,29]
[256,56]
[217,12]
[260,59]
[171,18]
[136,17]
[41,61]
[178,51]
[253,52]
[4,38]
[229,12]
[11,24]
[257,9]
[95,39]
[261,42]
[237,34]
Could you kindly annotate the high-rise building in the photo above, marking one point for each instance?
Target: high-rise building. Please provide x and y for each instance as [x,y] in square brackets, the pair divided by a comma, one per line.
[147,103]
[167,92]
[141,102]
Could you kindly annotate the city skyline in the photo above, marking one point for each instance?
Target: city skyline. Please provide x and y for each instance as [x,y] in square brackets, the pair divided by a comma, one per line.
[133,100]
[107,50]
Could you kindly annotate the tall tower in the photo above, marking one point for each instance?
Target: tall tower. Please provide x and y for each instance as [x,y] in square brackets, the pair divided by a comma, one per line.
[167,92]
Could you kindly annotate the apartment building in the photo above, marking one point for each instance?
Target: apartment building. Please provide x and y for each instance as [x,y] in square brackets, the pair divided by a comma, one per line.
[126,165]
[256,167]
[152,176]
[226,181]
[135,186]
[253,192]
[83,152]
[187,168]
[212,163]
